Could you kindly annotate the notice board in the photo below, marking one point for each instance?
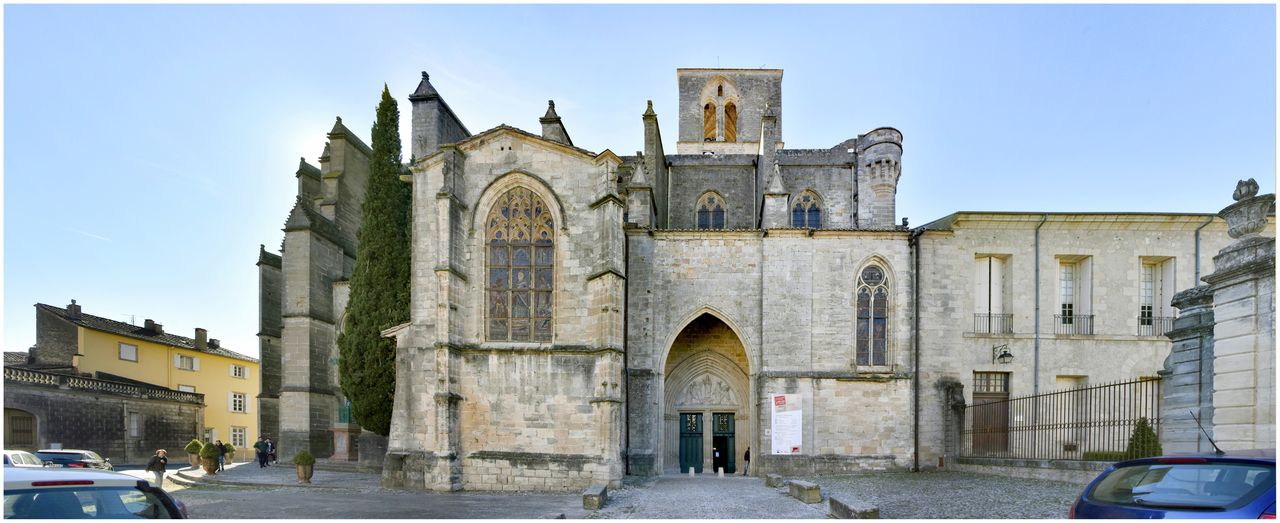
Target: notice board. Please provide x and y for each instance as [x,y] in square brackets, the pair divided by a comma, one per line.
[786,424]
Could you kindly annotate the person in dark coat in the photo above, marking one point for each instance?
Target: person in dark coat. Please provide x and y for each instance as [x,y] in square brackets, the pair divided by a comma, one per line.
[157,465]
[261,448]
[222,454]
[271,451]
[746,460]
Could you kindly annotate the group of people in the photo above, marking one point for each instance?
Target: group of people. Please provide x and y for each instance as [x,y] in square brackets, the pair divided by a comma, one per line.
[264,448]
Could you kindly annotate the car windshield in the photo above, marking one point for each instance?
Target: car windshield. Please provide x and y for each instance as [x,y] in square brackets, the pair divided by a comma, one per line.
[84,502]
[1207,486]
[60,456]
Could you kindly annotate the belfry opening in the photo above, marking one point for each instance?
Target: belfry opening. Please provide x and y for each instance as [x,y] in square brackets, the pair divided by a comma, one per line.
[707,421]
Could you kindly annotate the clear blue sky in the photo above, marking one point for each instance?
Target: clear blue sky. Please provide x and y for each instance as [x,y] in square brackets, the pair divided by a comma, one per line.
[150,149]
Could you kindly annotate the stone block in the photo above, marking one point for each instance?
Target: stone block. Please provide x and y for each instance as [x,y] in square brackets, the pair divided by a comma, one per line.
[594,497]
[805,491]
[850,509]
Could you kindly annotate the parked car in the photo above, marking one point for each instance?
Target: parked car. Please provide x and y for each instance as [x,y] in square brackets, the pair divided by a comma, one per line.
[85,459]
[67,493]
[21,458]
[1234,485]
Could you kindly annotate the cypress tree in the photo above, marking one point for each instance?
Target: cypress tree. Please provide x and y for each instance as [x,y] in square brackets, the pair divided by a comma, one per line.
[380,281]
[1143,442]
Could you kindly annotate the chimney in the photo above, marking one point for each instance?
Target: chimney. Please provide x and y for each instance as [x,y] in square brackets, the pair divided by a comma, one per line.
[73,310]
[154,327]
[202,337]
[213,344]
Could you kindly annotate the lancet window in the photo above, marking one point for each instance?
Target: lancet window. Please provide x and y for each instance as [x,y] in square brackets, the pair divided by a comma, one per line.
[520,274]
[711,208]
[873,317]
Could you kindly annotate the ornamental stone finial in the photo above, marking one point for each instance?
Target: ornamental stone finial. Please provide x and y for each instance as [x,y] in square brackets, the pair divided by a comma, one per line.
[1246,189]
[1248,216]
[425,76]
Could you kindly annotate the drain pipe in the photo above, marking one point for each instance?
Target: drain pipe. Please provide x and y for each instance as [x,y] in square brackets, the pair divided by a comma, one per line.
[1203,225]
[626,355]
[914,242]
[1035,385]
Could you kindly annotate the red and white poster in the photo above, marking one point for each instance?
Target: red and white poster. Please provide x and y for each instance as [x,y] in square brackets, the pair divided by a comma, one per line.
[786,423]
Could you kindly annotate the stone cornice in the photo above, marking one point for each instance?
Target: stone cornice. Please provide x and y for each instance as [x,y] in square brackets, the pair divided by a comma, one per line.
[493,346]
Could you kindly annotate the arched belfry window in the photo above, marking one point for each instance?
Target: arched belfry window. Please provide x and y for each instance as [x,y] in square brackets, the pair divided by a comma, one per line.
[806,211]
[730,122]
[709,122]
[873,316]
[520,234]
[711,209]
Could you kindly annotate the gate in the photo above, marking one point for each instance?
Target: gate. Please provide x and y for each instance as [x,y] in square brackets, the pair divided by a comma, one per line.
[722,442]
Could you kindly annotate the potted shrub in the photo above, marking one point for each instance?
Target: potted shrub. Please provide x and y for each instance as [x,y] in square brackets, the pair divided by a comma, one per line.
[306,465]
[231,452]
[193,452]
[209,458]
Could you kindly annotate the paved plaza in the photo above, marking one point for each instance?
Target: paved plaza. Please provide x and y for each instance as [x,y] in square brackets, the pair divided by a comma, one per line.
[246,491]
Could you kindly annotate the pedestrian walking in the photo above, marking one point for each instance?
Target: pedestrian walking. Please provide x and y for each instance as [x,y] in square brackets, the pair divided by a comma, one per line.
[746,462]
[261,448]
[156,466]
[222,454]
[271,451]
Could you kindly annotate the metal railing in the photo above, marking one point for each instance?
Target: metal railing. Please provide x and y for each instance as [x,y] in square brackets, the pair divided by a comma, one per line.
[1089,423]
[1073,325]
[35,377]
[1154,325]
[993,324]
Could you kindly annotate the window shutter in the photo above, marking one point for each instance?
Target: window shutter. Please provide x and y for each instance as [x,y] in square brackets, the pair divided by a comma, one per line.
[231,402]
[195,363]
[246,372]
[177,361]
[248,404]
[231,370]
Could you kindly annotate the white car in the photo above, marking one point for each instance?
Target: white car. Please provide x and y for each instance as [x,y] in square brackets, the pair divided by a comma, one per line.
[21,458]
[69,493]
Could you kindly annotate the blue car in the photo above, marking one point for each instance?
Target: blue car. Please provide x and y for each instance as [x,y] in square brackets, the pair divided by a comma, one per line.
[1236,485]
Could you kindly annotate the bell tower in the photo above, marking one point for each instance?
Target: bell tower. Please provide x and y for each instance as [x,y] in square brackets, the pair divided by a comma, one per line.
[721,110]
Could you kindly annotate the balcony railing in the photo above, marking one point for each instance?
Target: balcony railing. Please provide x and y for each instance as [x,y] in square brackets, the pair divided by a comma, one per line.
[1073,325]
[993,324]
[35,377]
[1154,325]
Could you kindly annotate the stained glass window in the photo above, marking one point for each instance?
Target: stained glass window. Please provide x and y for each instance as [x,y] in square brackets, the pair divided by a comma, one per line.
[807,211]
[871,338]
[520,268]
[711,209]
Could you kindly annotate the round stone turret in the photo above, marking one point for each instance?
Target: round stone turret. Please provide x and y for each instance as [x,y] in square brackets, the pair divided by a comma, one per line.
[879,167]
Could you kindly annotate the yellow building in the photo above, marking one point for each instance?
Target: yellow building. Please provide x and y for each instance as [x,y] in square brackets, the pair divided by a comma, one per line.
[110,349]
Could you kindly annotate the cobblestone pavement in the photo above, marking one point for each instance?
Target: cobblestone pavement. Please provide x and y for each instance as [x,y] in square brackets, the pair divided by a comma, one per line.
[953,495]
[254,502]
[704,497]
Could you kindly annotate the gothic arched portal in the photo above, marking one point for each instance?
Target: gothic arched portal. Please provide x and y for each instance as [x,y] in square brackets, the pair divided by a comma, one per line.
[706,397]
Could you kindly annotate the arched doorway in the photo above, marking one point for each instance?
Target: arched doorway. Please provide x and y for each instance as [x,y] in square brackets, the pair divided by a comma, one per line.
[19,430]
[706,408]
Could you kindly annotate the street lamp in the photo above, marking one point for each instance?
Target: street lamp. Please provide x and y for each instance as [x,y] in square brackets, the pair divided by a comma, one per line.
[1000,353]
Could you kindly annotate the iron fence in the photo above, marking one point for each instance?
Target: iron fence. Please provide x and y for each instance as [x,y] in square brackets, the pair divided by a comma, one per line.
[1154,325]
[1090,423]
[993,324]
[1073,324]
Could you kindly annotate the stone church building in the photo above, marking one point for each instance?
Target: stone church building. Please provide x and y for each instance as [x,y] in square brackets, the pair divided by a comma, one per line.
[578,316]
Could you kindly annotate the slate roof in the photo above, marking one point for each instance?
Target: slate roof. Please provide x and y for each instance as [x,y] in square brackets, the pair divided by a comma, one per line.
[98,323]
[15,358]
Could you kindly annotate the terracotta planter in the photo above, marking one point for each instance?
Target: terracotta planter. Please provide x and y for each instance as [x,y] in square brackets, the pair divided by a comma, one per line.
[194,459]
[210,465]
[304,473]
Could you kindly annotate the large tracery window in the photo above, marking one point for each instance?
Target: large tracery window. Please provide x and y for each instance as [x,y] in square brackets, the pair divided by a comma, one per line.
[807,211]
[873,317]
[521,234]
[711,211]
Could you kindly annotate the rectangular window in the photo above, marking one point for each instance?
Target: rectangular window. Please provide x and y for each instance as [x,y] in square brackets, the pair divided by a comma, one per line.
[239,437]
[238,402]
[1155,291]
[186,388]
[135,425]
[239,371]
[186,362]
[991,382]
[1074,315]
[1147,296]
[1067,291]
[129,352]
[991,289]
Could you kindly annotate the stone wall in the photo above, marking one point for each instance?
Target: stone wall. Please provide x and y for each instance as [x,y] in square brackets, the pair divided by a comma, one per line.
[99,421]
[57,339]
[270,328]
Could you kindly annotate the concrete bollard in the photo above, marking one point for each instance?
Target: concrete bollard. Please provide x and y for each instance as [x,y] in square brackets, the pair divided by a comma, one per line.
[691,472]
[720,473]
[594,497]
[805,491]
[772,480]
[841,509]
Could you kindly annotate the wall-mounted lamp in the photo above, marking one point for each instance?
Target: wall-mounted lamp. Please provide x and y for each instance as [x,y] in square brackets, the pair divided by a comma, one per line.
[1000,353]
